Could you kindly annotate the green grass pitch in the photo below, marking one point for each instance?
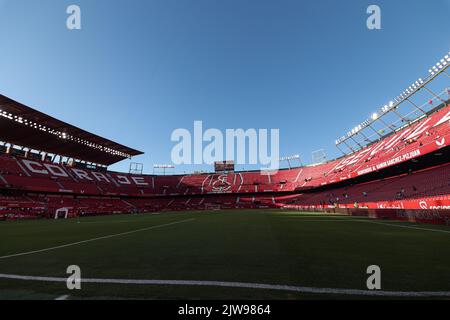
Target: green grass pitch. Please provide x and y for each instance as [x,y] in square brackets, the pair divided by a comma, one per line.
[263,247]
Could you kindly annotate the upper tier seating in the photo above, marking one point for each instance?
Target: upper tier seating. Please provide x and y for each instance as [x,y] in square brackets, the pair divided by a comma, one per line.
[425,136]
[82,190]
[408,189]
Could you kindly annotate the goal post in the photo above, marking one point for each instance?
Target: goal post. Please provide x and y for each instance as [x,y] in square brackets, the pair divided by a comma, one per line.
[212,206]
[62,213]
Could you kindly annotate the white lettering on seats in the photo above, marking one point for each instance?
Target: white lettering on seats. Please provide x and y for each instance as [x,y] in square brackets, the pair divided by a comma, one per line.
[444,119]
[100,177]
[396,138]
[33,166]
[55,170]
[123,180]
[359,156]
[81,174]
[377,148]
[139,181]
[419,130]
[342,163]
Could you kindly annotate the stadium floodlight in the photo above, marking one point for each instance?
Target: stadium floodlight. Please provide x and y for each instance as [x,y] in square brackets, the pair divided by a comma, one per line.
[393,105]
[163,166]
[290,158]
[294,157]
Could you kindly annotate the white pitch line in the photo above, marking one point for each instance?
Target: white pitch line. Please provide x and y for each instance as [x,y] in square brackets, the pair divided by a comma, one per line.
[246,285]
[64,297]
[402,226]
[325,220]
[366,220]
[106,222]
[94,239]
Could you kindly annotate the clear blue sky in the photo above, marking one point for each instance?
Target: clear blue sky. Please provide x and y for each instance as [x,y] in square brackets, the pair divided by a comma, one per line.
[140,69]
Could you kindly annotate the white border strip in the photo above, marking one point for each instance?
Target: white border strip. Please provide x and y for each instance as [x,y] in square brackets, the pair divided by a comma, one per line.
[356,292]
[94,239]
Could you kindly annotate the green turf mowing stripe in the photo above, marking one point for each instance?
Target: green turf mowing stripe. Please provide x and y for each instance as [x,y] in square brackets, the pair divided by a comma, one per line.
[259,247]
[95,239]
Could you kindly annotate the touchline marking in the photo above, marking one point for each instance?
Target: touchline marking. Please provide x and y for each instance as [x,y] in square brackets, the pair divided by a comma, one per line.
[64,297]
[106,222]
[402,226]
[361,219]
[246,285]
[324,220]
[366,220]
[95,239]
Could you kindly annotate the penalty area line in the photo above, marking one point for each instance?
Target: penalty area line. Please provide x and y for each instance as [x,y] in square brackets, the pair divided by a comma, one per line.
[95,239]
[242,285]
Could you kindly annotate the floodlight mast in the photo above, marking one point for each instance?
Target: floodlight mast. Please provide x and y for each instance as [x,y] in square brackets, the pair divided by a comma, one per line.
[433,94]
[390,126]
[348,146]
[416,106]
[370,126]
[164,167]
[366,138]
[354,140]
[392,107]
[289,158]
[339,148]
[400,116]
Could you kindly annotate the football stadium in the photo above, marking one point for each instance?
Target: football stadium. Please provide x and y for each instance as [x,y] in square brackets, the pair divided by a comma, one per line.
[371,223]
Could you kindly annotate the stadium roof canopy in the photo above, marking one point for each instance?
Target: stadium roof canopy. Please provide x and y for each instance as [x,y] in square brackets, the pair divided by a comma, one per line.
[27,127]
